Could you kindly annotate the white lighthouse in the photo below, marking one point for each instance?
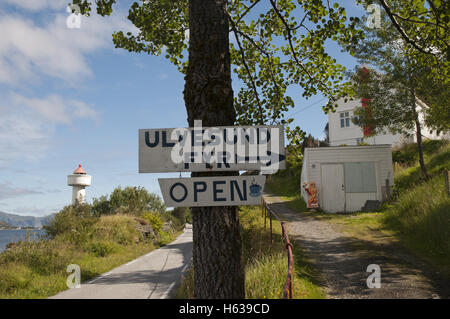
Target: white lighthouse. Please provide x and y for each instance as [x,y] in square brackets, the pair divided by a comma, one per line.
[79,180]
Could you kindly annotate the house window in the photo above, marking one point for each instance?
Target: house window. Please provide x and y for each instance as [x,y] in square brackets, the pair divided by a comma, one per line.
[345,119]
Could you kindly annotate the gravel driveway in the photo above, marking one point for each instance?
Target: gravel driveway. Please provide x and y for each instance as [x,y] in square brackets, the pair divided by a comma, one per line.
[342,261]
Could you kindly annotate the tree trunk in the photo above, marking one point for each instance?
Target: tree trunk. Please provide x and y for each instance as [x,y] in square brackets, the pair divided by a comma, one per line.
[208,95]
[418,135]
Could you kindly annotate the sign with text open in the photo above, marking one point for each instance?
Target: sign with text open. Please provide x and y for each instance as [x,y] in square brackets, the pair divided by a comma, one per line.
[212,191]
[201,149]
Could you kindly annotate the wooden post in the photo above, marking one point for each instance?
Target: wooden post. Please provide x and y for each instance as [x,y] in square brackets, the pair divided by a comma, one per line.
[262,206]
[270,216]
[447,181]
[265,217]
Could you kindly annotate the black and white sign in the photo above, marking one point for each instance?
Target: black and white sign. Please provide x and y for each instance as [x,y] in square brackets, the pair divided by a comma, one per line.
[212,191]
[198,149]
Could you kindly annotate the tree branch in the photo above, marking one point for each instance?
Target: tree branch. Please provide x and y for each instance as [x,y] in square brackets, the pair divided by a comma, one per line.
[244,62]
[400,29]
[246,11]
[291,46]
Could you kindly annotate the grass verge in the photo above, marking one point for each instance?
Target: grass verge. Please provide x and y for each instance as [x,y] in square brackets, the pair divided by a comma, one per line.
[266,264]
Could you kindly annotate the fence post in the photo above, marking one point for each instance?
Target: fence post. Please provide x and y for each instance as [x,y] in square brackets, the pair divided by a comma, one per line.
[265,217]
[262,206]
[270,216]
[447,181]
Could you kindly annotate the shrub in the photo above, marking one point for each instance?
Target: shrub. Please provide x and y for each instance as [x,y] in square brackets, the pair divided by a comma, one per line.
[102,248]
[409,155]
[180,216]
[14,277]
[101,206]
[120,229]
[130,200]
[154,220]
[74,223]
[165,238]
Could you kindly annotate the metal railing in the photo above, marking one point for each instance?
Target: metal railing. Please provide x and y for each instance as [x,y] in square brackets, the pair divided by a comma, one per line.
[267,211]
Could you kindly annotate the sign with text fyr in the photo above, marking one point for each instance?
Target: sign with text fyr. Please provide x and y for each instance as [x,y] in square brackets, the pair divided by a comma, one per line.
[200,149]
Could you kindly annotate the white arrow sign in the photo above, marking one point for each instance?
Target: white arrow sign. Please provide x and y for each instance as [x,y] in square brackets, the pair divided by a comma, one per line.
[198,149]
[212,191]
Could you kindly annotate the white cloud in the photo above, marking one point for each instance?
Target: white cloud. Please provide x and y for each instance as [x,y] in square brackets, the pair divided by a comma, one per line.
[22,135]
[32,50]
[38,5]
[29,50]
[27,125]
[55,109]
[7,190]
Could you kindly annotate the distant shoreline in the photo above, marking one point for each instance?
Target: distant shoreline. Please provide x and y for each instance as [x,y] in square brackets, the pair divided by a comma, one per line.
[8,236]
[22,228]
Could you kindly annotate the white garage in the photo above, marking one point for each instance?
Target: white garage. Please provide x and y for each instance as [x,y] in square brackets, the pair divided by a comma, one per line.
[348,178]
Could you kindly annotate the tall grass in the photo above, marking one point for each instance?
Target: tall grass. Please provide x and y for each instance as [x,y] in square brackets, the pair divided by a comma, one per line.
[421,218]
[265,264]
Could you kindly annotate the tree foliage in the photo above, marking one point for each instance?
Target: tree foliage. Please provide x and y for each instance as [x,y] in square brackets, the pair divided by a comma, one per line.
[274,45]
[130,200]
[402,75]
[422,24]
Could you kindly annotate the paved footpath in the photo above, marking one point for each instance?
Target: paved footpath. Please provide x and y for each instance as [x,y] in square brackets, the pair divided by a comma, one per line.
[342,261]
[152,276]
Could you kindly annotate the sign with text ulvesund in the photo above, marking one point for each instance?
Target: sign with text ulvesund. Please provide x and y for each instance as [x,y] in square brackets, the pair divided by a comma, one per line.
[212,191]
[200,149]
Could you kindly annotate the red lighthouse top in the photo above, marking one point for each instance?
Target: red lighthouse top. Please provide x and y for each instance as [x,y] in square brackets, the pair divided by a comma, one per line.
[79,170]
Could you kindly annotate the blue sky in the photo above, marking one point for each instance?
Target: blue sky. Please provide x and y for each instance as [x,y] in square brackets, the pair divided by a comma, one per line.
[67,96]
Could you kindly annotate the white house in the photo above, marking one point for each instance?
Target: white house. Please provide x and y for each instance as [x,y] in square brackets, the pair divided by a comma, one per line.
[347,177]
[342,131]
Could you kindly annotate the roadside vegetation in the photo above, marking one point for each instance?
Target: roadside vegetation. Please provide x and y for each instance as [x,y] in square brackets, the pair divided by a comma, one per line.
[266,264]
[417,217]
[99,237]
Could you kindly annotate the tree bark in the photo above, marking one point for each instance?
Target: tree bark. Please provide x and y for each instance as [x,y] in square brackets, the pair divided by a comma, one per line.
[208,95]
[418,135]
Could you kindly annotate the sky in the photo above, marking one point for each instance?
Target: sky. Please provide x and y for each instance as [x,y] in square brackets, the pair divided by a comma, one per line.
[68,97]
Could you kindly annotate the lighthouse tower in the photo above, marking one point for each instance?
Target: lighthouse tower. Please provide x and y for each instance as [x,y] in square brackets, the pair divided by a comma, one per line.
[79,180]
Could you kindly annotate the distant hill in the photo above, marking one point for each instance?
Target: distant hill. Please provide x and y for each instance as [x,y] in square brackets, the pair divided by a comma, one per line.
[25,221]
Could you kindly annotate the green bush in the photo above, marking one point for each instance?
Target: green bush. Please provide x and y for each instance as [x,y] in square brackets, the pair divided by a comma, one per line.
[14,277]
[74,223]
[102,248]
[154,220]
[165,238]
[130,200]
[119,229]
[180,216]
[408,154]
[43,257]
